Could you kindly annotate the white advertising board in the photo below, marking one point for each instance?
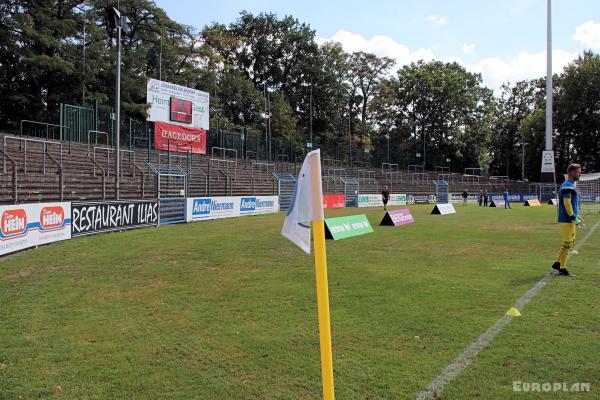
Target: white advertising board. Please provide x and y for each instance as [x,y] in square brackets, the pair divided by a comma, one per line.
[28,225]
[160,95]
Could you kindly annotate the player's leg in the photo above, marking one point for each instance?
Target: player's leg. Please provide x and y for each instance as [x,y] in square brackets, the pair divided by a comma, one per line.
[567,233]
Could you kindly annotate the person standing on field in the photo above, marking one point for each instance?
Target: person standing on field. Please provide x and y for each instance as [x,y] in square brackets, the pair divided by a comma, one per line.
[485,198]
[506,199]
[465,196]
[568,217]
[385,197]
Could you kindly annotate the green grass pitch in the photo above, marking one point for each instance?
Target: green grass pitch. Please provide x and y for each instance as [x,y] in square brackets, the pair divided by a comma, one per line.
[227,310]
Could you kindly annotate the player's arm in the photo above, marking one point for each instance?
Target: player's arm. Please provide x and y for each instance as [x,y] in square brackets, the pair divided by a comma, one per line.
[567,195]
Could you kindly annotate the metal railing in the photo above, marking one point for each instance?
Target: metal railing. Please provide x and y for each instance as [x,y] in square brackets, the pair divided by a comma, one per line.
[501,178]
[388,168]
[330,162]
[269,168]
[414,168]
[23,145]
[466,178]
[419,177]
[283,158]
[103,171]
[176,158]
[224,166]
[97,133]
[14,174]
[109,150]
[44,124]
[206,181]
[360,164]
[471,171]
[334,175]
[224,151]
[222,163]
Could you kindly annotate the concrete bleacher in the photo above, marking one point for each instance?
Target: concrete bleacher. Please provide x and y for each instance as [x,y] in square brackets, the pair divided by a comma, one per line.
[75,171]
[51,172]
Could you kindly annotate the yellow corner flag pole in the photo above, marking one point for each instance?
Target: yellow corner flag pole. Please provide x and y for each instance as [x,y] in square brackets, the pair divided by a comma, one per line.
[318,227]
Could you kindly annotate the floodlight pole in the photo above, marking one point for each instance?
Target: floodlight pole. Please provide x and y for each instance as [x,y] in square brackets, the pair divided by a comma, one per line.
[311,114]
[350,129]
[549,78]
[523,144]
[388,149]
[118,112]
[549,89]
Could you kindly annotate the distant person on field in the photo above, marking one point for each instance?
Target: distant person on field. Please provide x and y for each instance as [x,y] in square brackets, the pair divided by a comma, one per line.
[506,199]
[385,197]
[465,196]
[480,197]
[568,217]
[485,198]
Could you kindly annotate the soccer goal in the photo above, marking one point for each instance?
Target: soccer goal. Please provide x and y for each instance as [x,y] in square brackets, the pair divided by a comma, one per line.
[589,190]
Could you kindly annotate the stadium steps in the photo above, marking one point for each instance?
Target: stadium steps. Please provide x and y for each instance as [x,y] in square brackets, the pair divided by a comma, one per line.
[137,179]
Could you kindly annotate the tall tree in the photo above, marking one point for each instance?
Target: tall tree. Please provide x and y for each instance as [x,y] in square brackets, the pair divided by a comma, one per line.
[577,113]
[366,71]
[515,104]
[438,102]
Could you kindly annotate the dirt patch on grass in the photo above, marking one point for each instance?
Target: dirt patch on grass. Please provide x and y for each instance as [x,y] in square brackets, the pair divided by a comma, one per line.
[17,274]
[510,228]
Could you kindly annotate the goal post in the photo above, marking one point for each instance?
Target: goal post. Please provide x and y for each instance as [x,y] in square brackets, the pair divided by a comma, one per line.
[589,191]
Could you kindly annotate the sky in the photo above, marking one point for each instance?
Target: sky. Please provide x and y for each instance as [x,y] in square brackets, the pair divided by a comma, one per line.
[503,40]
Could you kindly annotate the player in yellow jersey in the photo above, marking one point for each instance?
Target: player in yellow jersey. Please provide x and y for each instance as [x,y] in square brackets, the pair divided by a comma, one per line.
[568,217]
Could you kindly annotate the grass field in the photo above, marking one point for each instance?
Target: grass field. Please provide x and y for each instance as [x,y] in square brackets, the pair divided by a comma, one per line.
[227,310]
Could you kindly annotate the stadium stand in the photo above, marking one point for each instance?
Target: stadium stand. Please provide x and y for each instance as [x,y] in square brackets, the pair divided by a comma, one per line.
[36,170]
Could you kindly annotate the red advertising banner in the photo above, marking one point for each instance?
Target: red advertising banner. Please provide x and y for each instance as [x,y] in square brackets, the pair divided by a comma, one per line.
[180,138]
[334,201]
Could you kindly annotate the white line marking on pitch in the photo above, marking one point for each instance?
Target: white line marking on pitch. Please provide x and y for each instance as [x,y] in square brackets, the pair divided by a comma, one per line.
[462,361]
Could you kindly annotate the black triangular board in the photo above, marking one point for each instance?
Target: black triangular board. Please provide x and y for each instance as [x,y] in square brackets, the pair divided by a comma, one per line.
[328,234]
[436,211]
[387,220]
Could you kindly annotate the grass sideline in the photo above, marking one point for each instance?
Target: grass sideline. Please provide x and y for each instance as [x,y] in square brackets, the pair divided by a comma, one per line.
[227,310]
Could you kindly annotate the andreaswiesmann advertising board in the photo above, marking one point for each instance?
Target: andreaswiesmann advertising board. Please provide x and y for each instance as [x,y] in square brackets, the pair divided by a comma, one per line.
[345,227]
[374,200]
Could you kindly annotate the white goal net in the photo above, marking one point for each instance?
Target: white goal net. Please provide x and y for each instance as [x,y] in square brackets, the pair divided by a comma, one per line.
[589,190]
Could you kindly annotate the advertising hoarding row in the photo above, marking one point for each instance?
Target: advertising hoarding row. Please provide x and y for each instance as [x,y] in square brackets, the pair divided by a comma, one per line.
[94,217]
[374,200]
[207,208]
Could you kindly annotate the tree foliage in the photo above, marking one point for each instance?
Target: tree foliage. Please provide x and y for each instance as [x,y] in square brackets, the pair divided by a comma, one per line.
[61,52]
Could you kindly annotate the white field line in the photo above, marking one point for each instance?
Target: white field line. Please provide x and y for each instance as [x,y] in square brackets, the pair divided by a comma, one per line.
[462,361]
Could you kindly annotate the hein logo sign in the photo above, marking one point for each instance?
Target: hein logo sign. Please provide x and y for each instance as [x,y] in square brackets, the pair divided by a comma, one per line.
[14,222]
[52,217]
[29,225]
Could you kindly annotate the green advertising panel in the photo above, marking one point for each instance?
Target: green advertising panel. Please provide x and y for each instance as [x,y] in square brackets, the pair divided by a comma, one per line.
[345,227]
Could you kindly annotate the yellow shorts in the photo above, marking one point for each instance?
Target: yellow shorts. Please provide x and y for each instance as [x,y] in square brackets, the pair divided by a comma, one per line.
[567,231]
